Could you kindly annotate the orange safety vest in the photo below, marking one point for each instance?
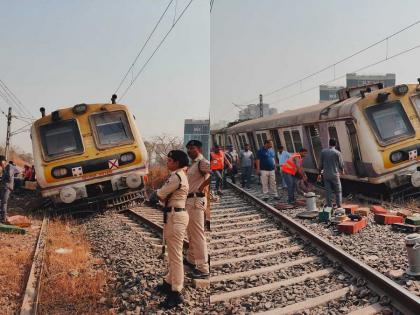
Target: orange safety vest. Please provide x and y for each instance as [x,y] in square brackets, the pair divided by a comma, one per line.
[217,160]
[289,167]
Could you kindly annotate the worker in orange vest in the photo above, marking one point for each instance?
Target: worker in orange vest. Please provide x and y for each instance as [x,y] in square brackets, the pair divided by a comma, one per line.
[292,170]
[217,165]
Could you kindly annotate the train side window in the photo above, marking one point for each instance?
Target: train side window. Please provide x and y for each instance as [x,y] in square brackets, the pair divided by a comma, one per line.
[264,136]
[111,128]
[332,132]
[288,140]
[243,141]
[61,138]
[315,142]
[276,137]
[297,141]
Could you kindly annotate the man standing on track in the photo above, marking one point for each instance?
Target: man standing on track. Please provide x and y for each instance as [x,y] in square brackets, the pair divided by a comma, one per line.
[174,192]
[246,160]
[292,170]
[198,179]
[331,166]
[282,155]
[217,164]
[6,186]
[266,166]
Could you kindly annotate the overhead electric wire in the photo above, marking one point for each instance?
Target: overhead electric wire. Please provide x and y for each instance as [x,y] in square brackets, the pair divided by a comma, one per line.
[211,5]
[154,52]
[337,62]
[15,99]
[342,76]
[144,45]
[11,104]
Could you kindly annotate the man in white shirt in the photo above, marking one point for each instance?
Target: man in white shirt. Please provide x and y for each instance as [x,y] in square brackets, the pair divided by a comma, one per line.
[282,155]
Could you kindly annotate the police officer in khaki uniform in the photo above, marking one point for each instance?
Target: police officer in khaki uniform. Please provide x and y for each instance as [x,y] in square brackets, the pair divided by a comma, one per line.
[198,178]
[174,194]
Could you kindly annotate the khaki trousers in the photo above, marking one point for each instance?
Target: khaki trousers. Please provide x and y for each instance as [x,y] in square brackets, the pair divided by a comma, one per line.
[174,230]
[268,180]
[197,249]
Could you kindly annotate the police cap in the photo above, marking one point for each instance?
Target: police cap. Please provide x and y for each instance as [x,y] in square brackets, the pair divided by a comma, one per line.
[194,143]
[180,156]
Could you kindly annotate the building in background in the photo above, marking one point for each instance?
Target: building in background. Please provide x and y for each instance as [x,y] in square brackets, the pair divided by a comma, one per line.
[198,130]
[219,125]
[353,79]
[253,111]
[328,93]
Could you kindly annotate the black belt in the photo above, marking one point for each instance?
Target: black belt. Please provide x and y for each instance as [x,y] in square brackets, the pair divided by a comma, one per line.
[169,209]
[196,194]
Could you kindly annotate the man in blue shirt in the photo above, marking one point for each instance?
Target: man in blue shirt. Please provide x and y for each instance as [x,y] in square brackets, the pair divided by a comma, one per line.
[283,156]
[265,167]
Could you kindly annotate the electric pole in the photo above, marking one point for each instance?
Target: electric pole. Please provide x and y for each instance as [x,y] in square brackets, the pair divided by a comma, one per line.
[9,123]
[261,106]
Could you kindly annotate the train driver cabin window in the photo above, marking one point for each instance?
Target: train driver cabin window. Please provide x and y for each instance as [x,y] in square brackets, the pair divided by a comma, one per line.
[112,128]
[389,121]
[332,132]
[297,141]
[288,140]
[61,138]
[415,99]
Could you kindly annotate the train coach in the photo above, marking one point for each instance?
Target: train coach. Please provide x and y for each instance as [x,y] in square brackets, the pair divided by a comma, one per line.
[377,129]
[88,152]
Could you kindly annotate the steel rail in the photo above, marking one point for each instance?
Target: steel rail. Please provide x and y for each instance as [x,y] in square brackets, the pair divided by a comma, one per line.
[400,298]
[150,223]
[30,300]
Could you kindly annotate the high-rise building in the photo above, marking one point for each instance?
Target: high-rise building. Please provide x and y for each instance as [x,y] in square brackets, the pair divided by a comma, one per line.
[353,79]
[253,111]
[328,93]
[198,130]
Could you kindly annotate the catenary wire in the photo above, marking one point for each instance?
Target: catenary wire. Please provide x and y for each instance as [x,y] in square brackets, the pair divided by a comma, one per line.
[154,52]
[144,46]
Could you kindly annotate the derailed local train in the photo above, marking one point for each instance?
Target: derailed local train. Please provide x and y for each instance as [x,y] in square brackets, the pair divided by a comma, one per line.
[88,152]
[377,129]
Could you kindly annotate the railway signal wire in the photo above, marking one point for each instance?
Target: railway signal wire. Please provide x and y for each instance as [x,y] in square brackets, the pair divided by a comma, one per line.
[344,75]
[155,51]
[333,65]
[144,46]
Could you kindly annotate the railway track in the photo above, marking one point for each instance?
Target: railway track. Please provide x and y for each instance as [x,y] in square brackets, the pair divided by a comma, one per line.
[31,296]
[265,262]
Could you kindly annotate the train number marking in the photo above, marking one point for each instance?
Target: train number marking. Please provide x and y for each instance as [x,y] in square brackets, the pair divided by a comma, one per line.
[113,164]
[412,155]
[77,171]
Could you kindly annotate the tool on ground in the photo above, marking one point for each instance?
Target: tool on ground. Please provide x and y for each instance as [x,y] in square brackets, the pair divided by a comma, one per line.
[412,243]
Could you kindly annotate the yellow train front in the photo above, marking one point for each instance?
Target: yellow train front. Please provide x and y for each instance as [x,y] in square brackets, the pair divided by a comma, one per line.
[88,152]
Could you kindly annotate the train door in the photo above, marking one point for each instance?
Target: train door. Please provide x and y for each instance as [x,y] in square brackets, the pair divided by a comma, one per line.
[288,141]
[276,138]
[354,144]
[252,142]
[314,140]
[333,134]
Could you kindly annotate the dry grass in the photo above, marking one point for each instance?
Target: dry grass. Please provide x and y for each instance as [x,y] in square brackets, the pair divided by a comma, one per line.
[15,262]
[72,283]
[157,176]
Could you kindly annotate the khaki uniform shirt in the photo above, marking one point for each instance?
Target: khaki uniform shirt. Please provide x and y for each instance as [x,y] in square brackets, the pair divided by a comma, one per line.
[178,188]
[199,166]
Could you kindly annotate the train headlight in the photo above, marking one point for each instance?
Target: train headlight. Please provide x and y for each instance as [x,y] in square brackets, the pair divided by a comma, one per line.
[401,89]
[79,109]
[396,156]
[59,172]
[127,157]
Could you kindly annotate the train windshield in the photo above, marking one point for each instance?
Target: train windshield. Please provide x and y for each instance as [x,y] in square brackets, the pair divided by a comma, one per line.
[390,121]
[61,138]
[112,128]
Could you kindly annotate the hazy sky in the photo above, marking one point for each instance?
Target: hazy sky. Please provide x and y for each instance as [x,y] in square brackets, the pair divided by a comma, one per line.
[258,46]
[60,53]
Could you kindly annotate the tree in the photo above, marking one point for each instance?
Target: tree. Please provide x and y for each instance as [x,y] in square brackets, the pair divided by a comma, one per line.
[159,147]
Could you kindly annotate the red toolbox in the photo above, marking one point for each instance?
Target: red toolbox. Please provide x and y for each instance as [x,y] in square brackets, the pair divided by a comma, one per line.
[350,209]
[378,209]
[352,227]
[388,218]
